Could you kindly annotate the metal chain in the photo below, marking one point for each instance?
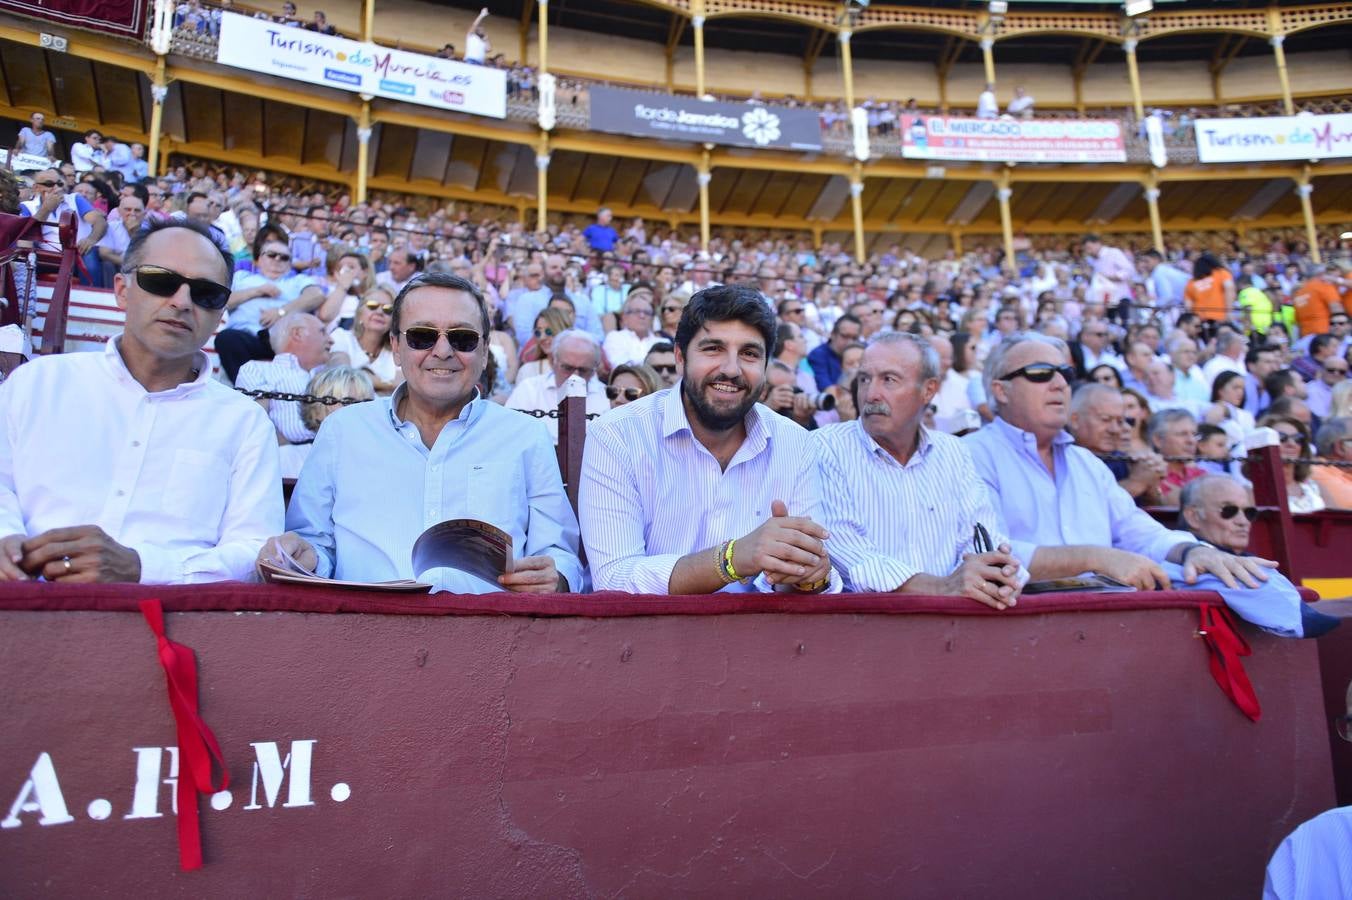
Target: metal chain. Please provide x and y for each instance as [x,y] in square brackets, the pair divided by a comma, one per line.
[300,398]
[549,413]
[1334,463]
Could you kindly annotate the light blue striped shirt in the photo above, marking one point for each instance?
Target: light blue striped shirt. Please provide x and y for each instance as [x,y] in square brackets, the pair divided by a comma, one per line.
[889,521]
[1315,860]
[1082,505]
[370,486]
[651,493]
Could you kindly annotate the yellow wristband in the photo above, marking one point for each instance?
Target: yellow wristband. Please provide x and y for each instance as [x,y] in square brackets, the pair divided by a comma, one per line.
[727,557]
[720,565]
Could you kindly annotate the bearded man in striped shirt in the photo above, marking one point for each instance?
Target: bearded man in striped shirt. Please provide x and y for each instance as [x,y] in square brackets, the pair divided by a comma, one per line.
[903,503]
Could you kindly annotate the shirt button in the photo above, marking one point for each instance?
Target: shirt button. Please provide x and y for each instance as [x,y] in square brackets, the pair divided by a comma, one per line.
[136,443]
[122,493]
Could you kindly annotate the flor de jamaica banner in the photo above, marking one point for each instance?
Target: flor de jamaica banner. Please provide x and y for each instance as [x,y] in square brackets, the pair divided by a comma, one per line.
[672,118]
[263,46]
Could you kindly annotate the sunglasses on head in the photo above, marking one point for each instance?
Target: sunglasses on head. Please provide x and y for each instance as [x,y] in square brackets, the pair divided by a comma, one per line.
[1230,510]
[424,337]
[164,282]
[273,254]
[1041,373]
[630,394]
[387,308]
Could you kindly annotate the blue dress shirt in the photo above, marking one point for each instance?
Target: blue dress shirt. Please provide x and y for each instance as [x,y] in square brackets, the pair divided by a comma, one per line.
[525,306]
[371,486]
[248,315]
[826,366]
[1081,505]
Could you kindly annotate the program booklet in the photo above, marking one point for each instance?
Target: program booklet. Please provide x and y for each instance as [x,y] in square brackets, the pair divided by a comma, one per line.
[1088,584]
[474,547]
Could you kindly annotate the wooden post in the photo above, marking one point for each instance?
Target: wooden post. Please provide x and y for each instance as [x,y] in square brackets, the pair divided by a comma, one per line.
[363,151]
[368,20]
[1277,40]
[857,210]
[542,181]
[159,89]
[1134,76]
[847,65]
[988,58]
[697,20]
[1003,193]
[956,237]
[1304,188]
[1264,470]
[1152,200]
[704,175]
[544,36]
[572,436]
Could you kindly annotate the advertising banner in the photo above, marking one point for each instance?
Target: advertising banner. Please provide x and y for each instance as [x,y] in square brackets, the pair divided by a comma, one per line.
[1275,137]
[272,49]
[1013,140]
[667,117]
[124,18]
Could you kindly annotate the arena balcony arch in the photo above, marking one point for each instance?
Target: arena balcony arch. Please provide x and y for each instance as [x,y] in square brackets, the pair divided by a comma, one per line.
[222,114]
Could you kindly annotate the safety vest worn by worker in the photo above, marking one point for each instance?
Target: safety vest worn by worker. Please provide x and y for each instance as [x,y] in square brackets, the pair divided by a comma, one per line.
[1259,306]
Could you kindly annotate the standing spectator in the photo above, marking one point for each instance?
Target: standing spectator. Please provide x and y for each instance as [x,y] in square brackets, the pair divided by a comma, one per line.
[1021,107]
[1211,292]
[476,44]
[1166,282]
[139,168]
[826,361]
[1316,301]
[88,153]
[986,105]
[601,237]
[117,156]
[35,140]
[1332,373]
[1115,274]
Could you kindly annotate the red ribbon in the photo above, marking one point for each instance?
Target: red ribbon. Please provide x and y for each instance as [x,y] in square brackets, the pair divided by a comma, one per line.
[1226,645]
[196,744]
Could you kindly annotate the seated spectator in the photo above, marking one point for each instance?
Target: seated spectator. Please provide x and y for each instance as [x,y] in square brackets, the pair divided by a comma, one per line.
[403,266]
[791,351]
[1098,425]
[661,359]
[1173,434]
[1135,413]
[1333,442]
[784,395]
[1213,449]
[341,382]
[300,346]
[896,522]
[951,401]
[630,382]
[673,304]
[1061,507]
[986,105]
[257,300]
[367,345]
[50,198]
[1105,374]
[826,361]
[1260,362]
[1302,493]
[1227,408]
[702,489]
[320,24]
[550,323]
[151,471]
[1284,383]
[1190,385]
[348,278]
[1319,392]
[130,216]
[1217,509]
[1322,348]
[1160,392]
[632,340]
[607,298]
[574,353]
[380,473]
[1137,361]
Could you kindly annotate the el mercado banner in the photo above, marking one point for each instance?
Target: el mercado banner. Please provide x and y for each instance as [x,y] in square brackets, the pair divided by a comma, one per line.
[1013,140]
[263,46]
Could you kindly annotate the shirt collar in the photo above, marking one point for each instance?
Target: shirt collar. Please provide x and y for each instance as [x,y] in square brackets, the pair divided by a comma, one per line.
[674,421]
[873,448]
[112,356]
[1020,437]
[469,414]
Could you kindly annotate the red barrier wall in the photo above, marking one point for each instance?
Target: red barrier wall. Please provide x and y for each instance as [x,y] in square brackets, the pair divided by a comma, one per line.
[929,755]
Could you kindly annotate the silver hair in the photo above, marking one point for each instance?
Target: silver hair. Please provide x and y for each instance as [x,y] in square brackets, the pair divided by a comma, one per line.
[1330,433]
[1172,345]
[1089,392]
[995,362]
[574,334]
[340,381]
[1227,339]
[1057,322]
[929,357]
[1191,495]
[280,332]
[1163,419]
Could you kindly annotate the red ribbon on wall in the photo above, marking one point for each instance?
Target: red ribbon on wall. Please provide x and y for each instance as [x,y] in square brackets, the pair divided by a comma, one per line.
[196,744]
[1226,645]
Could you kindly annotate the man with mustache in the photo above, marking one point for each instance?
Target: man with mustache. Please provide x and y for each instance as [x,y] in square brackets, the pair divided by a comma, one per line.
[903,502]
[700,489]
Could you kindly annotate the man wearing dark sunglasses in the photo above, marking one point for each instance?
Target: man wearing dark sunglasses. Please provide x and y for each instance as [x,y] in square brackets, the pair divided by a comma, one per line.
[1218,510]
[1061,506]
[380,473]
[257,300]
[134,464]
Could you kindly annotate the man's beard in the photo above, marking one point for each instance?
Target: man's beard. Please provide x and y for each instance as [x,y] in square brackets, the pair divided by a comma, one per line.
[711,417]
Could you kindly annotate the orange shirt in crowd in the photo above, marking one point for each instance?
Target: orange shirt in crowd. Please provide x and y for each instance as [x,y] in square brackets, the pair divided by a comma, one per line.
[1313,300]
[1206,296]
[1335,484]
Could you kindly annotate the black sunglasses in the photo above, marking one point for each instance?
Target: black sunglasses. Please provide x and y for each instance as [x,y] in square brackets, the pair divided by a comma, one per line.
[1041,373]
[544,332]
[630,394]
[669,369]
[47,183]
[1285,438]
[1230,510]
[273,254]
[164,282]
[424,337]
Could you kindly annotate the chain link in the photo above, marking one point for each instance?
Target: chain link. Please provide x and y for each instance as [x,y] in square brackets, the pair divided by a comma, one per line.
[301,398]
[550,413]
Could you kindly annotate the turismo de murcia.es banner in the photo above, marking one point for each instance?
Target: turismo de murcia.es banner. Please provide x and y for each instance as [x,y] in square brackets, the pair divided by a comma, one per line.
[672,118]
[1013,140]
[1274,138]
[262,46]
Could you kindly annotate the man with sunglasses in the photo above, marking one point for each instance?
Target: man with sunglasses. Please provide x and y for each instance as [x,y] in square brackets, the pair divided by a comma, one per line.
[1217,509]
[661,358]
[49,199]
[134,464]
[1061,506]
[380,473]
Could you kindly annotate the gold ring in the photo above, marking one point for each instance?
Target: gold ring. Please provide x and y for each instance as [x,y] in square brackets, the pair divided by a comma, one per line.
[66,561]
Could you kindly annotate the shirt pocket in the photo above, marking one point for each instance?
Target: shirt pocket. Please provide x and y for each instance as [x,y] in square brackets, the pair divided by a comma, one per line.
[196,491]
[495,492]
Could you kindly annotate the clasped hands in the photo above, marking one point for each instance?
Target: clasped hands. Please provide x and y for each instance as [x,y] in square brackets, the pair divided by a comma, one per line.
[529,575]
[789,550]
[82,554]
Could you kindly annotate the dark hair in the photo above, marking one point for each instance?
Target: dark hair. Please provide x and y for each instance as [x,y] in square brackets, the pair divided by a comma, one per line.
[1276,382]
[726,303]
[845,319]
[1206,430]
[959,340]
[93,131]
[268,233]
[139,190]
[1251,356]
[1204,265]
[1153,254]
[131,257]
[1221,381]
[195,195]
[1282,415]
[783,334]
[1116,374]
[1320,342]
[660,347]
[440,280]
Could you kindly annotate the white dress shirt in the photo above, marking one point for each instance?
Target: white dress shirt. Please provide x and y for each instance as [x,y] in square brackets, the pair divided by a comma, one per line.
[890,522]
[543,393]
[1218,364]
[651,493]
[187,477]
[624,346]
